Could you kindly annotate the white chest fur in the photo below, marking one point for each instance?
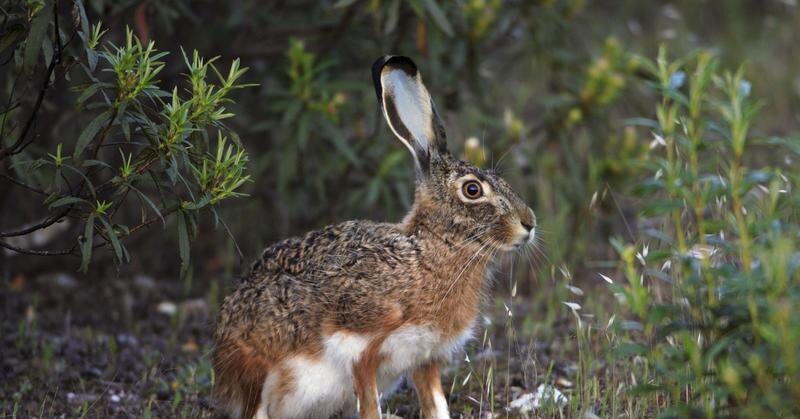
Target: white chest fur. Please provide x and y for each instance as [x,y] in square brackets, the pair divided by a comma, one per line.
[410,346]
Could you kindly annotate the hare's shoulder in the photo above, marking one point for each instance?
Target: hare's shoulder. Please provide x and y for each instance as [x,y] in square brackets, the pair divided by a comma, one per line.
[336,247]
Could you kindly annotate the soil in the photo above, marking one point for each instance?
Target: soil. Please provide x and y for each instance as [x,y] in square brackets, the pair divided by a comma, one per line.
[140,347]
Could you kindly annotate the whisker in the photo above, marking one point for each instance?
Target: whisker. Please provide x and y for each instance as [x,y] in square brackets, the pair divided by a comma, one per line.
[535,250]
[503,156]
[472,259]
[529,255]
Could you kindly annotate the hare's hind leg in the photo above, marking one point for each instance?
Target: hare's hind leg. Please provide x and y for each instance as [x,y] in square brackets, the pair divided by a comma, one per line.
[239,376]
[428,383]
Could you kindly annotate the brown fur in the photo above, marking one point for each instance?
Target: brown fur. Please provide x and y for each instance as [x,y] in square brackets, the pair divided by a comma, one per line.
[366,368]
[369,279]
[239,376]
[427,381]
[285,385]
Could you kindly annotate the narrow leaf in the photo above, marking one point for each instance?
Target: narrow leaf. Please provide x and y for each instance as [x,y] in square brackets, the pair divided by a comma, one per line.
[89,133]
[66,201]
[84,19]
[150,203]
[115,243]
[86,245]
[183,242]
[438,16]
[36,36]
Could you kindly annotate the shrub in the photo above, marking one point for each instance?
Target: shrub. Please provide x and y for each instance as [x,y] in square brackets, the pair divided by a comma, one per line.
[143,154]
[714,284]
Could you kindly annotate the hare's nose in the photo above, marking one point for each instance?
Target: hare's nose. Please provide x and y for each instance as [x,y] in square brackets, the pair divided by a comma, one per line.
[529,225]
[528,221]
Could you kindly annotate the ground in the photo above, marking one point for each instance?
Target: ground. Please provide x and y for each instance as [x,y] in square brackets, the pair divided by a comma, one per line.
[140,347]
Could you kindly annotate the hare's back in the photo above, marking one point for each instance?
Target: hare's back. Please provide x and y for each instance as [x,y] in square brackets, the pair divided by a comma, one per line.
[353,249]
[328,276]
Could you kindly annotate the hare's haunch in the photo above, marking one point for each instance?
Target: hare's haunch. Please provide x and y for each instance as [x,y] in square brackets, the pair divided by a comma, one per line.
[327,323]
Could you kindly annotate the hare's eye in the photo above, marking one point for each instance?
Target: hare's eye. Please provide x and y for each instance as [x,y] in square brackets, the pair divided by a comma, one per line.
[472,189]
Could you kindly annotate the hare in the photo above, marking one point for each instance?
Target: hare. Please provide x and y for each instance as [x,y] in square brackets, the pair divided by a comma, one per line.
[327,323]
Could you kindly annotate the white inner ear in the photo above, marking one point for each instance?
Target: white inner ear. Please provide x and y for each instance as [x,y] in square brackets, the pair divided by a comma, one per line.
[413,105]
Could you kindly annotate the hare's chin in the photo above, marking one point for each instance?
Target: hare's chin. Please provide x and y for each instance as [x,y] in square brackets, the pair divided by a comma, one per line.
[521,241]
[514,246]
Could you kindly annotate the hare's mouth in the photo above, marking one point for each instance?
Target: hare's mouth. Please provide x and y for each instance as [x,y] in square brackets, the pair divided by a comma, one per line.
[522,238]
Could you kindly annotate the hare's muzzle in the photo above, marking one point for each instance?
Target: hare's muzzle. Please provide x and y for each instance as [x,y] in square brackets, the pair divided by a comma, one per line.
[524,230]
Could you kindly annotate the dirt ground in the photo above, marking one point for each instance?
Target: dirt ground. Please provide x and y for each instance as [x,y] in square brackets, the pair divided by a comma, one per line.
[140,347]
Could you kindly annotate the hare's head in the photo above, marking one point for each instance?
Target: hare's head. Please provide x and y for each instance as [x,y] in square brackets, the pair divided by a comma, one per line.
[453,197]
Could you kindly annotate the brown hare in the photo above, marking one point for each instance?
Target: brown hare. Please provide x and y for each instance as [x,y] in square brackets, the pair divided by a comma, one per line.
[327,323]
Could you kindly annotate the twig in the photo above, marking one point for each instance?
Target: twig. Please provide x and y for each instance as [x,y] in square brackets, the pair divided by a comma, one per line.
[20,143]
[104,133]
[47,222]
[621,213]
[35,252]
[22,184]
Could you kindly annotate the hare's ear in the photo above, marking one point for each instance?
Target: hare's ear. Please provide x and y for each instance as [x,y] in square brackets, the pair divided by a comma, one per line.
[408,108]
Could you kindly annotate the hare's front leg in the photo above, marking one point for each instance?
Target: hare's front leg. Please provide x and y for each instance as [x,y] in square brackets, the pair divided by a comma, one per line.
[428,383]
[365,384]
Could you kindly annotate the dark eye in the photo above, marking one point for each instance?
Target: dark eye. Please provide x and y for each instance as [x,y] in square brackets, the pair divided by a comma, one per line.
[472,189]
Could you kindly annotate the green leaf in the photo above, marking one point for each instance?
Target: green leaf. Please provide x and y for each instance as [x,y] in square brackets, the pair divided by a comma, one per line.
[86,245]
[303,128]
[183,243]
[642,122]
[438,16]
[67,200]
[643,389]
[48,53]
[629,349]
[343,3]
[768,332]
[84,19]
[340,142]
[93,163]
[150,203]
[80,173]
[89,132]
[35,39]
[393,14]
[200,204]
[10,37]
[389,162]
[119,251]
[88,92]
[661,207]
[91,57]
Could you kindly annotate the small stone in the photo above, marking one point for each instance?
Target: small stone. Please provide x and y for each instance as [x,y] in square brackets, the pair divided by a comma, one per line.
[190,346]
[167,307]
[563,382]
[144,282]
[65,281]
[545,394]
[127,339]
[81,398]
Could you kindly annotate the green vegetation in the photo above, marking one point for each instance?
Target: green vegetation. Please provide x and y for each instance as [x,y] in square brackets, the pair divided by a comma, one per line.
[655,141]
[714,285]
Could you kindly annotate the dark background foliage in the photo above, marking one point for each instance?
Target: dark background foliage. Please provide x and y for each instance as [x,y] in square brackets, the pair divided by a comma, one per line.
[554,93]
[543,83]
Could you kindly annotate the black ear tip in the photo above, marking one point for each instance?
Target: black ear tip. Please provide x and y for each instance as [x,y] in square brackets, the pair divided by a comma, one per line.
[397,61]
